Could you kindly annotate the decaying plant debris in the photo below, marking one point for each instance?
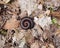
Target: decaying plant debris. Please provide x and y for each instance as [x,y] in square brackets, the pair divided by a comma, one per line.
[29,23]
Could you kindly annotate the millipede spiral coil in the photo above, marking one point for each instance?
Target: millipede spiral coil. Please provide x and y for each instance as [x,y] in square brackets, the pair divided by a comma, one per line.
[27,23]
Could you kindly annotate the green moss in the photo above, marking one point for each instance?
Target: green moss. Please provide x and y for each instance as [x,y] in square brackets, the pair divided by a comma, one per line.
[3,32]
[54,21]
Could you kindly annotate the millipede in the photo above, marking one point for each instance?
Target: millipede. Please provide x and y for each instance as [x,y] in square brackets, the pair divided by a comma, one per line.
[27,23]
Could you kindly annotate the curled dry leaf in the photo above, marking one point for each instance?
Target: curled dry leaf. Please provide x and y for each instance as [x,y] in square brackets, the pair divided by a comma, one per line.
[51,46]
[43,47]
[11,24]
[23,14]
[47,12]
[6,1]
[19,35]
[38,30]
[56,14]
[57,32]
[35,45]
[40,1]
[29,37]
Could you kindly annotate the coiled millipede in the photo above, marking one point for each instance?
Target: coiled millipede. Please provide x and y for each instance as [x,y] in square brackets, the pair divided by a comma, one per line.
[27,23]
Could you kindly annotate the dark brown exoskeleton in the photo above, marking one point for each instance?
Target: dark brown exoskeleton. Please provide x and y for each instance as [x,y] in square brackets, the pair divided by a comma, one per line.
[27,23]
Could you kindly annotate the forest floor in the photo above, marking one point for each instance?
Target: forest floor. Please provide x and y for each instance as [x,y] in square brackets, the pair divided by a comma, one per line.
[29,23]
